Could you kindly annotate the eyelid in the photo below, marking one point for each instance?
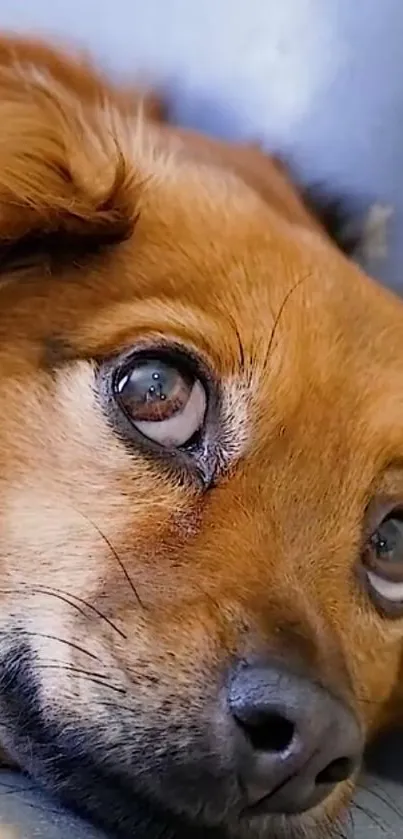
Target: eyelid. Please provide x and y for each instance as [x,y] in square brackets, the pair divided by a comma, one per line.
[379,509]
[393,592]
[173,354]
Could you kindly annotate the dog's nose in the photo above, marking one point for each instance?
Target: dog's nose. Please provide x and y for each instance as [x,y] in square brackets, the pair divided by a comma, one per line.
[294,741]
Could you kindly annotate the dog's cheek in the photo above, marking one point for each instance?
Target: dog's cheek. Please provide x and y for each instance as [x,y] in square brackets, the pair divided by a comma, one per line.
[75,522]
[373,649]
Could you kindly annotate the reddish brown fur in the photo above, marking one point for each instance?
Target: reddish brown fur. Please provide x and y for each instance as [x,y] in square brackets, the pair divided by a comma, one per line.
[212,248]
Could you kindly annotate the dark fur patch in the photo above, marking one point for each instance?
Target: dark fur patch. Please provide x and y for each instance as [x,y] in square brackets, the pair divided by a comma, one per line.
[57,248]
[56,352]
[342,219]
[60,755]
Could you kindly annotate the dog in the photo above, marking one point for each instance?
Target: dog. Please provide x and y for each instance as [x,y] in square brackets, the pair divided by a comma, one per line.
[201,602]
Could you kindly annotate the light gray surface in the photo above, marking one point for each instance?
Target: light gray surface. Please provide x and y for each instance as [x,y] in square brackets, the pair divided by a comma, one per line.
[319,80]
[33,815]
[376,814]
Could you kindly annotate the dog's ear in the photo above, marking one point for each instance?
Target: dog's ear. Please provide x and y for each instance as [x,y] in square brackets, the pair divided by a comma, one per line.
[64,174]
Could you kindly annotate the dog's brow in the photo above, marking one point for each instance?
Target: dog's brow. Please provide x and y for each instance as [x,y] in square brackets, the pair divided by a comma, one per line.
[56,352]
[281,310]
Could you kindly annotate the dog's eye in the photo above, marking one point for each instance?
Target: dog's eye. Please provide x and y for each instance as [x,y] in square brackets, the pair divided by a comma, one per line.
[384,559]
[164,402]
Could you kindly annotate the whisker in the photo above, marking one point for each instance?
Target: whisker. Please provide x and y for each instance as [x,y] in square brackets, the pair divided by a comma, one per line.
[385,799]
[96,678]
[21,789]
[349,827]
[63,595]
[42,809]
[370,815]
[117,706]
[42,589]
[338,833]
[15,788]
[280,312]
[66,597]
[351,819]
[56,638]
[116,556]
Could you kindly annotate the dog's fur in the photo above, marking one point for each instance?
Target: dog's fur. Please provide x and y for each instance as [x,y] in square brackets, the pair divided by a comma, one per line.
[129,583]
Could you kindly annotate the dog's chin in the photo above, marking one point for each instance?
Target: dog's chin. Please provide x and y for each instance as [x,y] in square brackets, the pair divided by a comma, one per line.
[145,821]
[106,797]
[86,782]
[99,792]
[123,814]
[75,762]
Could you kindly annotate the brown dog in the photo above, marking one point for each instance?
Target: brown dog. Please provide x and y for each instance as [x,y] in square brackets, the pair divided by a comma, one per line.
[201,441]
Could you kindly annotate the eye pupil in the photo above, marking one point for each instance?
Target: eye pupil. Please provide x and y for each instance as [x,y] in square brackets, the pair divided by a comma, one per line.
[161,398]
[154,393]
[149,385]
[379,544]
[387,540]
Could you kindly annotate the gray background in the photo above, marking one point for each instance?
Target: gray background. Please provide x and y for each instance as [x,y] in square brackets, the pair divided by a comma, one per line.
[318,80]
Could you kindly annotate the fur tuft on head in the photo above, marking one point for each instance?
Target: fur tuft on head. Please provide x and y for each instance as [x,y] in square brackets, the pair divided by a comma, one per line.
[64,134]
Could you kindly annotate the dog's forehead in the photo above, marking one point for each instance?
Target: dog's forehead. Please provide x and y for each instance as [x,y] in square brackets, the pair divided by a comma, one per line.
[209,263]
[271,304]
[208,258]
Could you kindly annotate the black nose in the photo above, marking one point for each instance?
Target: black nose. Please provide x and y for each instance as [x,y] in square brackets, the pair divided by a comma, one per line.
[294,741]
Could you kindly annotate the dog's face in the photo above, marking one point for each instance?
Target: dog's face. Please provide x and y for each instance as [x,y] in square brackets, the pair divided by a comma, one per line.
[201,447]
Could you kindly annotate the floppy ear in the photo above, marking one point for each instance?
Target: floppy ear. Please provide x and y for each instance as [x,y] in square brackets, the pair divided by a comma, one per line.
[63,136]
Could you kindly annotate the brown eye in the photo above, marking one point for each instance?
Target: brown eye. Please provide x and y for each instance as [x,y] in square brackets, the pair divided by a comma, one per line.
[384,558]
[163,402]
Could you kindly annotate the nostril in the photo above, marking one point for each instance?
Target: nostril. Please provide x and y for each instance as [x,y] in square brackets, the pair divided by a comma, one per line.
[268,732]
[336,771]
